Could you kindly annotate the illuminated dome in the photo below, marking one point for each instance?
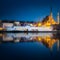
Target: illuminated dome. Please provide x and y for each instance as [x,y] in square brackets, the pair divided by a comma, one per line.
[48,21]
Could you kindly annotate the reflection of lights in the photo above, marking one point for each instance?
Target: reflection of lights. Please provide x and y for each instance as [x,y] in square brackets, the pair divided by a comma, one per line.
[17,40]
[7,39]
[39,38]
[1,35]
[46,39]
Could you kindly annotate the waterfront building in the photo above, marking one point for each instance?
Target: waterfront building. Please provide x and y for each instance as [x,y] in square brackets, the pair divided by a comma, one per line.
[49,20]
[1,25]
[16,23]
[7,25]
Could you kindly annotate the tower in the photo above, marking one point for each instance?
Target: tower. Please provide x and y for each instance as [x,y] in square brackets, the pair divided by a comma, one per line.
[58,18]
[51,12]
[51,5]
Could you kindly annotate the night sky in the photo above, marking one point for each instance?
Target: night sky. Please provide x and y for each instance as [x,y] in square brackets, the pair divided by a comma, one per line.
[28,10]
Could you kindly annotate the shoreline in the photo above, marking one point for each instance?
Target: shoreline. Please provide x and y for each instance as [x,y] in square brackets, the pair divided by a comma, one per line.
[29,31]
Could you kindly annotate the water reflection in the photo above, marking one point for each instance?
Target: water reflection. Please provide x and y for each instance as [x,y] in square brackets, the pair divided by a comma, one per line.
[47,39]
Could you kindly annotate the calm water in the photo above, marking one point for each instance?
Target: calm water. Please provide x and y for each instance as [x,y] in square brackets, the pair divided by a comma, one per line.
[30,46]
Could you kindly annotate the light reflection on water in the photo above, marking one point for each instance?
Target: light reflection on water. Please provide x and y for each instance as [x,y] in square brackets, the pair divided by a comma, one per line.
[47,39]
[38,44]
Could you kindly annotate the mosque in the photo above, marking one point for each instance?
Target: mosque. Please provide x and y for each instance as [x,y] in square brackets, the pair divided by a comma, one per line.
[49,20]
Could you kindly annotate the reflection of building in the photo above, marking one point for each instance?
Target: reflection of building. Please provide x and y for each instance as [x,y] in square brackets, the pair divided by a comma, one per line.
[7,38]
[58,42]
[47,40]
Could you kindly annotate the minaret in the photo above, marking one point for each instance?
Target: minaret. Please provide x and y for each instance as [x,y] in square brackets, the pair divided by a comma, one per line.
[58,17]
[50,8]
[51,12]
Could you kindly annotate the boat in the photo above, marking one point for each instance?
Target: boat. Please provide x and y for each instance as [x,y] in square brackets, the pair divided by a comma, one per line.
[29,28]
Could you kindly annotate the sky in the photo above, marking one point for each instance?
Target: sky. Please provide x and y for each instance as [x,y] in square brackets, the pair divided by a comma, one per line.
[28,10]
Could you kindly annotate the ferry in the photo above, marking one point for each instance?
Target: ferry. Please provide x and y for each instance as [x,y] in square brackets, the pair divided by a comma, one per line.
[29,28]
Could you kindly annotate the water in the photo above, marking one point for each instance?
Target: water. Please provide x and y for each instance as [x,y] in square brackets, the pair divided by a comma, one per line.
[30,46]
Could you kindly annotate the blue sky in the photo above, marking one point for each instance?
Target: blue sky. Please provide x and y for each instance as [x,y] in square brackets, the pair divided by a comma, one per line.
[28,10]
